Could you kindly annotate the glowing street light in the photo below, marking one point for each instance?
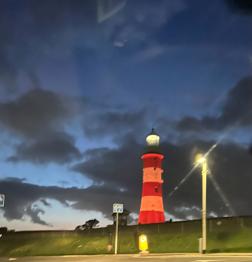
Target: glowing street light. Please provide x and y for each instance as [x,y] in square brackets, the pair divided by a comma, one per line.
[201,160]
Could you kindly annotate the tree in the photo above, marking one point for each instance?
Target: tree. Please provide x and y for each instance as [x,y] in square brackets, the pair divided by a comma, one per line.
[3,230]
[89,224]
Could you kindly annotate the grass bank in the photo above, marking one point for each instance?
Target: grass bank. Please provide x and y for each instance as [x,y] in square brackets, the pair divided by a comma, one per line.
[224,235]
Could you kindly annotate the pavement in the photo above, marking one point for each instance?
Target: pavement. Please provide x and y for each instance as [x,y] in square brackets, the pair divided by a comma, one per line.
[140,258]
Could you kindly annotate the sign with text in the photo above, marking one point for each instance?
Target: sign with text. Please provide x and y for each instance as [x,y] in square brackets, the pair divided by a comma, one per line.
[117,208]
[2,198]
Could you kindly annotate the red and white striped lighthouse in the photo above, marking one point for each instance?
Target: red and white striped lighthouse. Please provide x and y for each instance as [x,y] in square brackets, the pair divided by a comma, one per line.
[152,209]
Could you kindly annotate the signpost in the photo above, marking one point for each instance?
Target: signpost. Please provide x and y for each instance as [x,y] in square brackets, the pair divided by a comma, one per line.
[118,209]
[2,198]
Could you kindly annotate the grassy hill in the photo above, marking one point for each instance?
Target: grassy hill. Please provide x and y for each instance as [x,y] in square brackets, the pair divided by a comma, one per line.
[224,235]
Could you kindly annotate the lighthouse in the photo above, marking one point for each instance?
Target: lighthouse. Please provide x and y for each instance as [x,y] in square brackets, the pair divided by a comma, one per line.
[152,209]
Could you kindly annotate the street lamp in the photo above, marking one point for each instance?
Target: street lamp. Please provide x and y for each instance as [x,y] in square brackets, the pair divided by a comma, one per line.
[202,161]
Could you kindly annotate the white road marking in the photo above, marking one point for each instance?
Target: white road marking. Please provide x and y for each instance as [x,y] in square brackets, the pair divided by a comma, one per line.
[178,256]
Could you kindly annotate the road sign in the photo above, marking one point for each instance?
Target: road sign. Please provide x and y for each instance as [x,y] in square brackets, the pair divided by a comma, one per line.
[2,198]
[117,208]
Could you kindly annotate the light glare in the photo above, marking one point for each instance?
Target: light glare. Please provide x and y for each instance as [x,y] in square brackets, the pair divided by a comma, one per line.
[152,140]
[200,159]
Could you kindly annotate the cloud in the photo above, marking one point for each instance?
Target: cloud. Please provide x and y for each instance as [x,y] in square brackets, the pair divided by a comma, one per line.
[34,213]
[40,113]
[119,167]
[39,118]
[113,123]
[235,112]
[243,7]
[34,113]
[122,168]
[118,177]
[56,147]
[228,162]
[22,199]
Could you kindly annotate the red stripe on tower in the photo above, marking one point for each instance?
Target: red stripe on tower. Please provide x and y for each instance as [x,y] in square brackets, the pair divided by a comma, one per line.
[152,209]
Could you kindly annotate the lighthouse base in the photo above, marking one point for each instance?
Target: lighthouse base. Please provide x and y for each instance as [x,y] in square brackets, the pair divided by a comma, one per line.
[151,217]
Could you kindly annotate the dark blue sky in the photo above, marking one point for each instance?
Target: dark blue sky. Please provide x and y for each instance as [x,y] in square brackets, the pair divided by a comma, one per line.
[81,86]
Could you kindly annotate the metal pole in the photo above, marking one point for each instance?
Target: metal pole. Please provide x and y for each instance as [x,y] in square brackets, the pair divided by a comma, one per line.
[116,234]
[204,206]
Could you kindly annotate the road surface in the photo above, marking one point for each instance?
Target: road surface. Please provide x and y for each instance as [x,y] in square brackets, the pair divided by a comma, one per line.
[140,258]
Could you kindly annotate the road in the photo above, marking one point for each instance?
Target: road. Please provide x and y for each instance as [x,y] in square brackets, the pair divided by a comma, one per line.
[140,258]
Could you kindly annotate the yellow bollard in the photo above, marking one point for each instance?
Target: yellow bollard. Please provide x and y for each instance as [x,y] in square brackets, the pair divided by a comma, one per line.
[143,244]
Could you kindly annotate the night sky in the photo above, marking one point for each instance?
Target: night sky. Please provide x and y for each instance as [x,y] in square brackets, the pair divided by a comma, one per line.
[81,87]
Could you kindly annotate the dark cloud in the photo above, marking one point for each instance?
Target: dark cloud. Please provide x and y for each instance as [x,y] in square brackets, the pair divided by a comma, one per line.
[119,167]
[34,213]
[118,173]
[45,202]
[238,106]
[34,113]
[122,168]
[235,112]
[240,6]
[22,199]
[228,162]
[35,33]
[114,123]
[39,118]
[56,147]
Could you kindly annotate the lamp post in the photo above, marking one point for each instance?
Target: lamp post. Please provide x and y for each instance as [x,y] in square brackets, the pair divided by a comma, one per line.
[201,160]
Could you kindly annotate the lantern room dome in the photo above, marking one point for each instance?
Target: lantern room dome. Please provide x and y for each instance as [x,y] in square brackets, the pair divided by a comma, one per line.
[153,138]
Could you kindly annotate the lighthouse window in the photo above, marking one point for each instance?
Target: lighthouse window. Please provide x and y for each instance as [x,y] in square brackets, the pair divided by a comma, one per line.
[156,189]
